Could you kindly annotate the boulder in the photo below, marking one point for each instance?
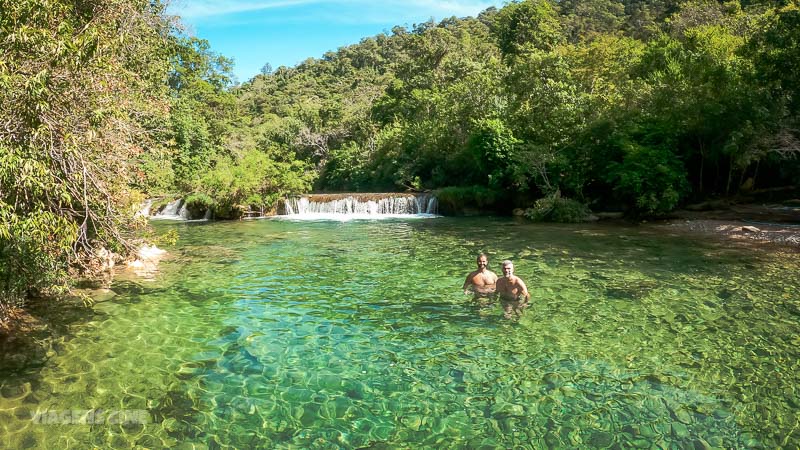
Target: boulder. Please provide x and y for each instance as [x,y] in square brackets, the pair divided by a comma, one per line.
[146,262]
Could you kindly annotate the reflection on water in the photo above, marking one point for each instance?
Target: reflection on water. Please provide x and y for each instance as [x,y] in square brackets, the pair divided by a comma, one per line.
[347,335]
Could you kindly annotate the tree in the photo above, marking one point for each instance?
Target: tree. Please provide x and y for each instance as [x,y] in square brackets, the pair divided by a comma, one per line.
[79,81]
[588,19]
[526,25]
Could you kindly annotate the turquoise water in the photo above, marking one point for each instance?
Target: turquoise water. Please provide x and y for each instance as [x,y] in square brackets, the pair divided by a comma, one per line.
[278,334]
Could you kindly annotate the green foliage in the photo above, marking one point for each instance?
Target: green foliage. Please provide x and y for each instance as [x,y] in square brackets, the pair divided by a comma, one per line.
[526,25]
[197,204]
[650,178]
[555,208]
[776,51]
[253,180]
[493,146]
[201,113]
[193,146]
[79,86]
[539,97]
[345,169]
[460,200]
[585,20]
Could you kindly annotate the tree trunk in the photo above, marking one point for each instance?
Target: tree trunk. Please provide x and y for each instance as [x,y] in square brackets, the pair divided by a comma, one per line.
[755,173]
[730,175]
[702,165]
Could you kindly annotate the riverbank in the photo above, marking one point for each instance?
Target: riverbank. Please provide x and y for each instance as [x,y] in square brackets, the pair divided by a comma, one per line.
[776,224]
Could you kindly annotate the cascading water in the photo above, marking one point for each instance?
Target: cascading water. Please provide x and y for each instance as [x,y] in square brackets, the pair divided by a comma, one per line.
[360,206]
[145,209]
[175,210]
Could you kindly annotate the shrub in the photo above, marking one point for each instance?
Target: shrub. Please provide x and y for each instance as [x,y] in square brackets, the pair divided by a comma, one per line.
[255,179]
[555,208]
[492,145]
[651,179]
[198,204]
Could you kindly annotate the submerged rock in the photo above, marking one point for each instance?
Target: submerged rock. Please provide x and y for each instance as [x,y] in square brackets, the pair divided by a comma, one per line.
[146,263]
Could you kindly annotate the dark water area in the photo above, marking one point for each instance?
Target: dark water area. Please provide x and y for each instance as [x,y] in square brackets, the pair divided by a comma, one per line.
[282,334]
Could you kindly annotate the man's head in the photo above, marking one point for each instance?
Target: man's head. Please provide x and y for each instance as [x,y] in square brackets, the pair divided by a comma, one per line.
[508,268]
[482,261]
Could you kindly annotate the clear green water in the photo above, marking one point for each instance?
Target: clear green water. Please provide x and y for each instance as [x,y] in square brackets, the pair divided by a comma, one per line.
[277,334]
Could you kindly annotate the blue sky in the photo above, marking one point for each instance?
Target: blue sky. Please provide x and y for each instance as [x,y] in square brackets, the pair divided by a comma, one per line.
[286,32]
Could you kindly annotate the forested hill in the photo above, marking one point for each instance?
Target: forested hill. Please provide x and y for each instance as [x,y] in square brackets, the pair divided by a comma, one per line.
[638,106]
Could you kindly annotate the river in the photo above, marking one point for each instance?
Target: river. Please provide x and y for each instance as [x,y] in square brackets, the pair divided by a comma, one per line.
[326,334]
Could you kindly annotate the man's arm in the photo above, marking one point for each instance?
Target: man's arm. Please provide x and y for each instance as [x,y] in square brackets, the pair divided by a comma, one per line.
[467,284]
[524,290]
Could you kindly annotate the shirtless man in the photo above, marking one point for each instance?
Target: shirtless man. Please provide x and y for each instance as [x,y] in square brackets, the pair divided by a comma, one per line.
[480,282]
[512,291]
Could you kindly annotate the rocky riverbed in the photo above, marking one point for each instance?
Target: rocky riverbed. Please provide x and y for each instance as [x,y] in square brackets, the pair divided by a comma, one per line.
[777,224]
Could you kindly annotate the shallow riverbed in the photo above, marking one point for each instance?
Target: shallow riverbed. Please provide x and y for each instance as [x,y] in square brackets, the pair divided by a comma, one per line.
[323,334]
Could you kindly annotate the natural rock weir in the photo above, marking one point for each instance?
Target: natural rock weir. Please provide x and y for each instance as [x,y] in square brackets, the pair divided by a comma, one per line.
[319,206]
[360,204]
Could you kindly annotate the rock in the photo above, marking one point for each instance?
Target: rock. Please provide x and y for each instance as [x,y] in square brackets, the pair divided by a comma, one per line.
[98,295]
[701,444]
[704,206]
[750,229]
[106,259]
[518,212]
[146,264]
[601,439]
[709,205]
[680,430]
[507,409]
[609,215]
[682,416]
[150,253]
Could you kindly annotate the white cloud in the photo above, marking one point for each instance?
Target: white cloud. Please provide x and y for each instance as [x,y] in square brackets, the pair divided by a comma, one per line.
[442,9]
[194,9]
[347,10]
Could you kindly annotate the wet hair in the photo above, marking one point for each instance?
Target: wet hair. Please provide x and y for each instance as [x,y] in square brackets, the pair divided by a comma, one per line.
[481,255]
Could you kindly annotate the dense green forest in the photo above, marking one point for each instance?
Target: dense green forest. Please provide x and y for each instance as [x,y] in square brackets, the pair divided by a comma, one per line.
[633,106]
[555,106]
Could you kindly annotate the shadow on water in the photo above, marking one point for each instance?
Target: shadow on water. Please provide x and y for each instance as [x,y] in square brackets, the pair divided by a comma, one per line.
[50,322]
[647,245]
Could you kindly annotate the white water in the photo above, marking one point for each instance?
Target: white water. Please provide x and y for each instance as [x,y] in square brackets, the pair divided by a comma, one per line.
[351,208]
[145,209]
[175,210]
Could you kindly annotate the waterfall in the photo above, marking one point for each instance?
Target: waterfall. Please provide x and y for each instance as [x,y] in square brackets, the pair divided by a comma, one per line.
[357,206]
[175,210]
[144,209]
